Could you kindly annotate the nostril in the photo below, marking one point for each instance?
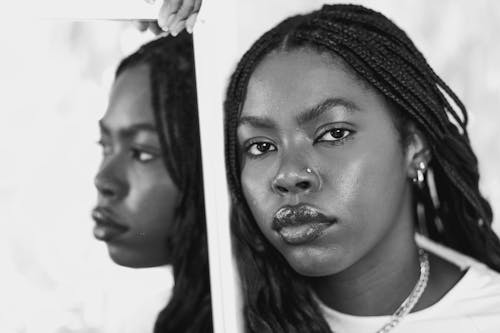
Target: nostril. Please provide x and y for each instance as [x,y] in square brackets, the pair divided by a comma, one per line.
[105,187]
[303,185]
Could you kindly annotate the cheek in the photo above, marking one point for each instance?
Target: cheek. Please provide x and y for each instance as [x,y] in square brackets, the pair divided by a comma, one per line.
[153,200]
[255,182]
[385,176]
[371,184]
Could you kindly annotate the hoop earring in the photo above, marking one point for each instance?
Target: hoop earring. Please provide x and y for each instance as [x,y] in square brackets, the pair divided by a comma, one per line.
[419,180]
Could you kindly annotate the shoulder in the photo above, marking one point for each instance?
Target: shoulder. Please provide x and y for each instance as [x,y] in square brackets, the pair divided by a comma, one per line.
[479,290]
[475,299]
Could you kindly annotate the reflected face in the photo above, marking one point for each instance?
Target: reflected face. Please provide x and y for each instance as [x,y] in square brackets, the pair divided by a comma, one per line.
[323,169]
[136,196]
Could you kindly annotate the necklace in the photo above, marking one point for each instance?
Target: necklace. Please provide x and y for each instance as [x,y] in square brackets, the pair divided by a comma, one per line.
[412,299]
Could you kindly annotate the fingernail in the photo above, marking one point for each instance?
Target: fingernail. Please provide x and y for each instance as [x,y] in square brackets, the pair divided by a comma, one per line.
[163,34]
[177,28]
[191,21]
[164,28]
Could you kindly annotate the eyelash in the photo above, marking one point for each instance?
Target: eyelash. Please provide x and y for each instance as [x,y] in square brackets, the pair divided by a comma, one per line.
[256,144]
[135,152]
[106,147]
[346,134]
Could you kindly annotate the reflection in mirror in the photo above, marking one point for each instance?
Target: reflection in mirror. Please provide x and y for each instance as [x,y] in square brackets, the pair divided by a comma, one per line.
[149,211]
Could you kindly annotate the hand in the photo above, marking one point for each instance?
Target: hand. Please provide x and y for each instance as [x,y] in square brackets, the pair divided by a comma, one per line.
[175,15]
[151,25]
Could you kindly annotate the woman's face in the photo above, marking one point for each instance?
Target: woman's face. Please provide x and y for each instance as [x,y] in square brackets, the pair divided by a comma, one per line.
[136,196]
[323,169]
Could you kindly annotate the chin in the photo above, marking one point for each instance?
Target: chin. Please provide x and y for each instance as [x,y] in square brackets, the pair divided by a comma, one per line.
[134,259]
[313,262]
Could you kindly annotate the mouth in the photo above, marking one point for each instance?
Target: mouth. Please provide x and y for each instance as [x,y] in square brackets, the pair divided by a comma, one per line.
[300,224]
[106,228]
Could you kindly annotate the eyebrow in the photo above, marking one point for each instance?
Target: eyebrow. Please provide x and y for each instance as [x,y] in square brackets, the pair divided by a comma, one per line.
[129,131]
[259,122]
[304,117]
[320,108]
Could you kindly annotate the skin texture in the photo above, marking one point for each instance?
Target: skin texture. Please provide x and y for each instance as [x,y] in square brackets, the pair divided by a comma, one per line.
[133,183]
[360,178]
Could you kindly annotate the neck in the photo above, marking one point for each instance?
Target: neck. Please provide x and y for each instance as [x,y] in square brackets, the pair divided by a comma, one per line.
[379,282]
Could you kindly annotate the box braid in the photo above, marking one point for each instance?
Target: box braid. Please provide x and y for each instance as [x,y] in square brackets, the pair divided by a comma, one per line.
[174,103]
[276,298]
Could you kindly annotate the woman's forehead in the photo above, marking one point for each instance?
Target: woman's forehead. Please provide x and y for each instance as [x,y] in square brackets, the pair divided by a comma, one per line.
[130,100]
[298,80]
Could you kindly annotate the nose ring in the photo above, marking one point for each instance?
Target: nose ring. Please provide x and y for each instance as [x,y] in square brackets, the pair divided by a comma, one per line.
[308,170]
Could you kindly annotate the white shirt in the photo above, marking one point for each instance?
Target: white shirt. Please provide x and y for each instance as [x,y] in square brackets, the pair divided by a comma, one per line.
[472,305]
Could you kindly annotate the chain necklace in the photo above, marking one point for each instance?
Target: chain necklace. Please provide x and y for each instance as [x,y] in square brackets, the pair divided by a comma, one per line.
[412,299]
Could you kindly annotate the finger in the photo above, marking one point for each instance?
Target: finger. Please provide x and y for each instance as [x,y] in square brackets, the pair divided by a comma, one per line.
[197,6]
[183,12]
[162,14]
[167,13]
[171,6]
[141,25]
[190,22]
[155,28]
[163,34]
[176,29]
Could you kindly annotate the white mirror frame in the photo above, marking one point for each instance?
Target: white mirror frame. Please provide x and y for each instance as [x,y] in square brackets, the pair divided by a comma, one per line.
[216,48]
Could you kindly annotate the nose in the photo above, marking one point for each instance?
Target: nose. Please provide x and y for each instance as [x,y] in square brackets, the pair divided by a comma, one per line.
[295,178]
[110,181]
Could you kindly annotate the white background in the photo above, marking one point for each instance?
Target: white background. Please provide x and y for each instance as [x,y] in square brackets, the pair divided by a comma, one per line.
[54,80]
[55,276]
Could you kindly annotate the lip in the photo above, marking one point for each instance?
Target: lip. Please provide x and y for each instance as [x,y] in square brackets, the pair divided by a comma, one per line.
[106,228]
[301,223]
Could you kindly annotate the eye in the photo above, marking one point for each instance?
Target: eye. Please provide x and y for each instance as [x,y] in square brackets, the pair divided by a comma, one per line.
[259,148]
[334,135]
[142,156]
[105,147]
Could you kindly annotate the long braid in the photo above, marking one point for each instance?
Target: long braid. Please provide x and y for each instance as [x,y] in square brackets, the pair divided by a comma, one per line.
[174,103]
[382,55]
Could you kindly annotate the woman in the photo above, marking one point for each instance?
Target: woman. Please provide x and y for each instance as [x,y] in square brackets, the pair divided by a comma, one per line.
[341,143]
[150,208]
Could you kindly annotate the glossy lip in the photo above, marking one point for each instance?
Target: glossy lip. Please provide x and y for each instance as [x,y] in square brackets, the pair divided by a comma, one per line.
[301,223]
[106,228]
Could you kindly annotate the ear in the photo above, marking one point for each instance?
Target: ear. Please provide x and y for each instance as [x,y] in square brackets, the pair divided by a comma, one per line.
[418,153]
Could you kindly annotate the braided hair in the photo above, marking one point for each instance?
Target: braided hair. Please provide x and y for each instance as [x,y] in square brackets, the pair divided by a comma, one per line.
[173,96]
[276,298]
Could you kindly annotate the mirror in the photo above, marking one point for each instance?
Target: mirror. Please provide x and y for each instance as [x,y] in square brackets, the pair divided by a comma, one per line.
[58,84]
